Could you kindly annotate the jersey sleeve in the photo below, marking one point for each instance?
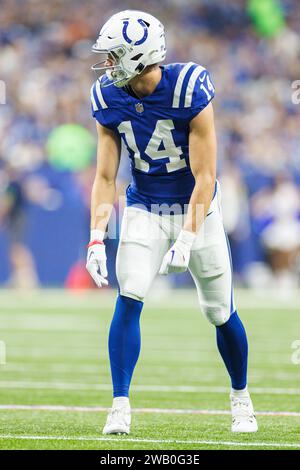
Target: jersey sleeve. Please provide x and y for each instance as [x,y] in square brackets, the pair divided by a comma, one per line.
[200,90]
[100,105]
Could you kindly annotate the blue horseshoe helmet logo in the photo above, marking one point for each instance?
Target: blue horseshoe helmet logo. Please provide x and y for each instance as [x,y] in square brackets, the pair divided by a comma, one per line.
[127,38]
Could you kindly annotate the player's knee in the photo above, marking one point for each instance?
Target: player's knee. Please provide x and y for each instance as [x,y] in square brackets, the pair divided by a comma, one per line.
[132,294]
[132,286]
[216,314]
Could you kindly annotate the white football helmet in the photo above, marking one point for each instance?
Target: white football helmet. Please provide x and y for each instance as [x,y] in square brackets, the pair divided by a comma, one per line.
[132,40]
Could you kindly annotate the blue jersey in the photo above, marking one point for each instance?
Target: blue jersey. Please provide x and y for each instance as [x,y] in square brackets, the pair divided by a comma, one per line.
[155,131]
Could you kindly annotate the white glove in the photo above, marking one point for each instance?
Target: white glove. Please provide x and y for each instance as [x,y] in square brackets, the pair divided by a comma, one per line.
[96,258]
[176,260]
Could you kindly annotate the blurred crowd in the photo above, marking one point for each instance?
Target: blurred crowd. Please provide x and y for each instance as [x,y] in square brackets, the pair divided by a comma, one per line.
[45,64]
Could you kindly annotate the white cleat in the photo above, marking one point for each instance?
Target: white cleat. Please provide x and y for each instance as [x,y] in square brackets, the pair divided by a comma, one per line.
[243,418]
[118,419]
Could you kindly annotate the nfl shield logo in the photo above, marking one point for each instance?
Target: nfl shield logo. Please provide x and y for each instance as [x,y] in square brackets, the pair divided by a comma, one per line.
[139,107]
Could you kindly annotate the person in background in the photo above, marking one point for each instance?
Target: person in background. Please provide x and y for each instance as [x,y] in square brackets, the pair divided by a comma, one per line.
[278,211]
[13,220]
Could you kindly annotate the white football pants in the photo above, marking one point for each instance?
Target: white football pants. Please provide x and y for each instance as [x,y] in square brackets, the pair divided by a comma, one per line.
[145,239]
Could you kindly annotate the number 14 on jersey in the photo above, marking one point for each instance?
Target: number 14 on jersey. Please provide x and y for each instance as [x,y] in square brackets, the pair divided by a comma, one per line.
[161,146]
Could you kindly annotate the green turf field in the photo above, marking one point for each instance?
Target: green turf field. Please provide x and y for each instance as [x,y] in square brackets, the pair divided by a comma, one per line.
[55,385]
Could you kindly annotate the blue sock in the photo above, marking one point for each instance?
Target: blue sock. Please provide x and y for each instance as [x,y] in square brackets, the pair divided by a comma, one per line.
[124,343]
[233,347]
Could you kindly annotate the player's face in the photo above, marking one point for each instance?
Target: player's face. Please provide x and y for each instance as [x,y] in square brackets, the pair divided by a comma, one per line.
[110,65]
[110,61]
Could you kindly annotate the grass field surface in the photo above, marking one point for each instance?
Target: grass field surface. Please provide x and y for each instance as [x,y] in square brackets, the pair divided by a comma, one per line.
[55,379]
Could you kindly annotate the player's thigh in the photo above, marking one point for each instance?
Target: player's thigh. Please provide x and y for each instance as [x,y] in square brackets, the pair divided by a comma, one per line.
[140,253]
[210,267]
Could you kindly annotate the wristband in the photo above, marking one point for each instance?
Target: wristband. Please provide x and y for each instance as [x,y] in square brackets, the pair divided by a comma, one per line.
[94,242]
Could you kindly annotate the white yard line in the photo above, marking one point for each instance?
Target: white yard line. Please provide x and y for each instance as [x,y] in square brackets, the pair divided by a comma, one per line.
[97,409]
[151,441]
[141,388]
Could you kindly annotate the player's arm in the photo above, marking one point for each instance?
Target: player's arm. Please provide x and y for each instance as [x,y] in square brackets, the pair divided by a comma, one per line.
[104,187]
[202,153]
[102,200]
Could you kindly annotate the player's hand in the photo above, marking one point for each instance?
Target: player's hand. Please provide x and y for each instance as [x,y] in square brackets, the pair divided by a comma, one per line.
[177,259]
[96,262]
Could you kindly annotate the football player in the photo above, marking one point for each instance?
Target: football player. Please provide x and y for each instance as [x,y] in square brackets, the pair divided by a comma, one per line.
[172,222]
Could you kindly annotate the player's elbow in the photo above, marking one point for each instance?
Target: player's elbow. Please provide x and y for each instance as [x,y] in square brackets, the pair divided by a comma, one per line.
[105,179]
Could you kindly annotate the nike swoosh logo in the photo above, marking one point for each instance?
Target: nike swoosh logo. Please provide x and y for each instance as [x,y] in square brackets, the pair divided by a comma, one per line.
[173,253]
[209,213]
[91,253]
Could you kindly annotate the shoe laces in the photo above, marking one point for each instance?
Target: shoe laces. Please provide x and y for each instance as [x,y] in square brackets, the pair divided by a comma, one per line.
[117,413]
[241,407]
